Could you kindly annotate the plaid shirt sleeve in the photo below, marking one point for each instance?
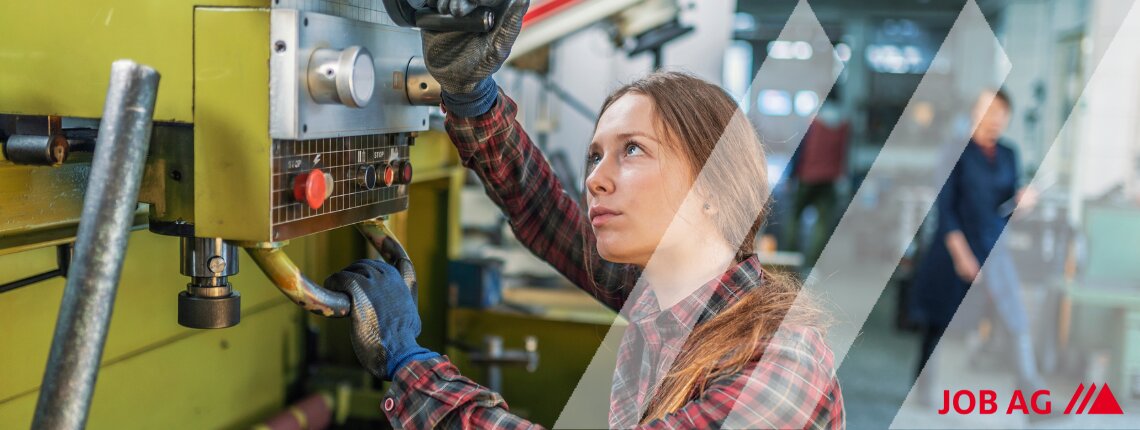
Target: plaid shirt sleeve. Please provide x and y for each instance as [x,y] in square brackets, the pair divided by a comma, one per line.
[544,218]
[432,394]
[793,387]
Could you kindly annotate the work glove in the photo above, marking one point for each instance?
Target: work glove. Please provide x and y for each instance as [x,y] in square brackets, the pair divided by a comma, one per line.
[464,62]
[385,322]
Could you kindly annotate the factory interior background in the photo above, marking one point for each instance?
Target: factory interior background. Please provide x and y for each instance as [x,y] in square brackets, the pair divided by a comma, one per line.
[894,80]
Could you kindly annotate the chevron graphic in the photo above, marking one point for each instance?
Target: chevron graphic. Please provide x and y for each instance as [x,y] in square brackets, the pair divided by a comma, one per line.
[1105,403]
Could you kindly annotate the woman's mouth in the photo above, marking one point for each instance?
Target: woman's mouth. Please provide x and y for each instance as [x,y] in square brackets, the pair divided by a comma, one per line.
[599,220]
[600,215]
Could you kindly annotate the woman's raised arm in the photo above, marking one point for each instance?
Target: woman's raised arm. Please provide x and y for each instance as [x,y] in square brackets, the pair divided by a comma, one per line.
[519,179]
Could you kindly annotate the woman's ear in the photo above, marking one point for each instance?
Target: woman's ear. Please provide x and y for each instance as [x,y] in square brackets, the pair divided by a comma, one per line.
[707,208]
[710,209]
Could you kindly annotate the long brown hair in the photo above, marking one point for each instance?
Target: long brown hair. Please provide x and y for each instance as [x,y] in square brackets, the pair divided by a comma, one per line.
[702,123]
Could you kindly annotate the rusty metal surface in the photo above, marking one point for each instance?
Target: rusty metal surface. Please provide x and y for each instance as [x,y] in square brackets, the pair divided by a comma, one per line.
[36,150]
[295,285]
[390,249]
[280,269]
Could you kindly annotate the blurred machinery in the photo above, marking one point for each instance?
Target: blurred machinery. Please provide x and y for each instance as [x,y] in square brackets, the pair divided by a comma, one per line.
[1097,334]
[634,25]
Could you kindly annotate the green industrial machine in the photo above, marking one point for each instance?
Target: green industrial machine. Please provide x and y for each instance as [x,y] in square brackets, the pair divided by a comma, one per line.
[276,122]
[278,125]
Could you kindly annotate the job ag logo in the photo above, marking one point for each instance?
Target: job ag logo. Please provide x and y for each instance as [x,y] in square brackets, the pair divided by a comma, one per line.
[986,402]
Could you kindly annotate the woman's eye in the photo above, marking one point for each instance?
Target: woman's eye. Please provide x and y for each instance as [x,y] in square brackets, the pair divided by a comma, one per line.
[593,158]
[632,149]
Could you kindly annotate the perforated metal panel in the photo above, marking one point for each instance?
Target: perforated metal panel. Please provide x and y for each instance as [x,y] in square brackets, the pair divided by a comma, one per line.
[342,158]
[360,10]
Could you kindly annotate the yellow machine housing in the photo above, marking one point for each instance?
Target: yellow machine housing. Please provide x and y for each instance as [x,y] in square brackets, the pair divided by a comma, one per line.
[223,163]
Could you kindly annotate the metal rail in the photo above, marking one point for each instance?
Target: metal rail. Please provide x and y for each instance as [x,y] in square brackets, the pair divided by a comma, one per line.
[100,246]
[280,269]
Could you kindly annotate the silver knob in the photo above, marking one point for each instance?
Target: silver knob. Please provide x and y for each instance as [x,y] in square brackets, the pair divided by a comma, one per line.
[345,77]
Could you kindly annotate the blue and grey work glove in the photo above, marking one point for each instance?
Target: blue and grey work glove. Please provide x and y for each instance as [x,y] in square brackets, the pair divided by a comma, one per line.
[464,62]
[385,321]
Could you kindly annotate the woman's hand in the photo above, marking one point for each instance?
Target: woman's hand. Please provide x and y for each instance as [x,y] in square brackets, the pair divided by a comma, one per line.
[385,321]
[965,263]
[967,268]
[1026,199]
[459,60]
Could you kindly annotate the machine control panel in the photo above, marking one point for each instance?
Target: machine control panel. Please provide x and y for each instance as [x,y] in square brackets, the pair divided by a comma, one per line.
[332,76]
[341,118]
[320,184]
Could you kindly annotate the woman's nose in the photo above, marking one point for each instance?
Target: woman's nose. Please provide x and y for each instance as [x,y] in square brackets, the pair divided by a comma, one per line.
[600,178]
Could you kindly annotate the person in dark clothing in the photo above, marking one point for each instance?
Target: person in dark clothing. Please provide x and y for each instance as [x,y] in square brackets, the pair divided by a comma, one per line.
[970,221]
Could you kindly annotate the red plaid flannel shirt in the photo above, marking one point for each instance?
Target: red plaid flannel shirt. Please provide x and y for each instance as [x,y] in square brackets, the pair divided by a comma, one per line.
[793,386]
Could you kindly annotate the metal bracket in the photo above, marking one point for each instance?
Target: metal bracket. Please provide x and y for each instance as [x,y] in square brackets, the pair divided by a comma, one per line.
[62,261]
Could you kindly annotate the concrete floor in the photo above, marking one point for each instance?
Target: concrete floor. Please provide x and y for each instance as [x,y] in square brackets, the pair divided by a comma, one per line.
[877,376]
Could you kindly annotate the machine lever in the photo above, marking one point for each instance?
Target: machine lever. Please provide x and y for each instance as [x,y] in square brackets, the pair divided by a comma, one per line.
[403,14]
[271,258]
[390,250]
[481,20]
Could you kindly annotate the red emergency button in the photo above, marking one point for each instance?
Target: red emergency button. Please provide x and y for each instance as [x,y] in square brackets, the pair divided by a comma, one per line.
[388,175]
[406,172]
[309,188]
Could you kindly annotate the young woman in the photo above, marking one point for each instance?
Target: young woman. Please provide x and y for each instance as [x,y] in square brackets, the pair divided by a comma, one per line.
[675,193]
[970,220]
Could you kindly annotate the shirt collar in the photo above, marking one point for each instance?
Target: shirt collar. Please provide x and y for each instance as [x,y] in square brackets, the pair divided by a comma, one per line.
[706,301]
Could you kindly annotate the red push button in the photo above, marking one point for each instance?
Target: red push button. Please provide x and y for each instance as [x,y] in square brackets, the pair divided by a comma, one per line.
[310,188]
[388,175]
[406,172]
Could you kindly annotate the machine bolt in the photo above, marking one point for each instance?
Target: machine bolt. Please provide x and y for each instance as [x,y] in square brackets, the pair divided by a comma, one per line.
[217,264]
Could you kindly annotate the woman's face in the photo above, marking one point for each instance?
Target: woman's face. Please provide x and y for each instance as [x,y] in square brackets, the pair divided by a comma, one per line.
[992,115]
[635,183]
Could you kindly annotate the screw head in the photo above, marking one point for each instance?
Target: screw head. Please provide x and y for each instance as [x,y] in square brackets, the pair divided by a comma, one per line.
[216,264]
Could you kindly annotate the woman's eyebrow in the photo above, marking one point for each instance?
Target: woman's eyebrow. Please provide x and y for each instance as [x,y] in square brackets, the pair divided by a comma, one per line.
[629,134]
[622,138]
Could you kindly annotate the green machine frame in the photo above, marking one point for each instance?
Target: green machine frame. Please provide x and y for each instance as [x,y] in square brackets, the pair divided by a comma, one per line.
[211,127]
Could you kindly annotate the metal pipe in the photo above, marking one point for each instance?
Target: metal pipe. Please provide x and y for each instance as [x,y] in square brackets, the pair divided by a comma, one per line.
[271,258]
[49,150]
[277,265]
[421,88]
[93,278]
[390,250]
[311,413]
[480,21]
[494,351]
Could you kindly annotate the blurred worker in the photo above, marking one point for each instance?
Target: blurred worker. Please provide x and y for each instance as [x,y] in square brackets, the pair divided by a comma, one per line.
[674,262]
[971,217]
[819,163]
